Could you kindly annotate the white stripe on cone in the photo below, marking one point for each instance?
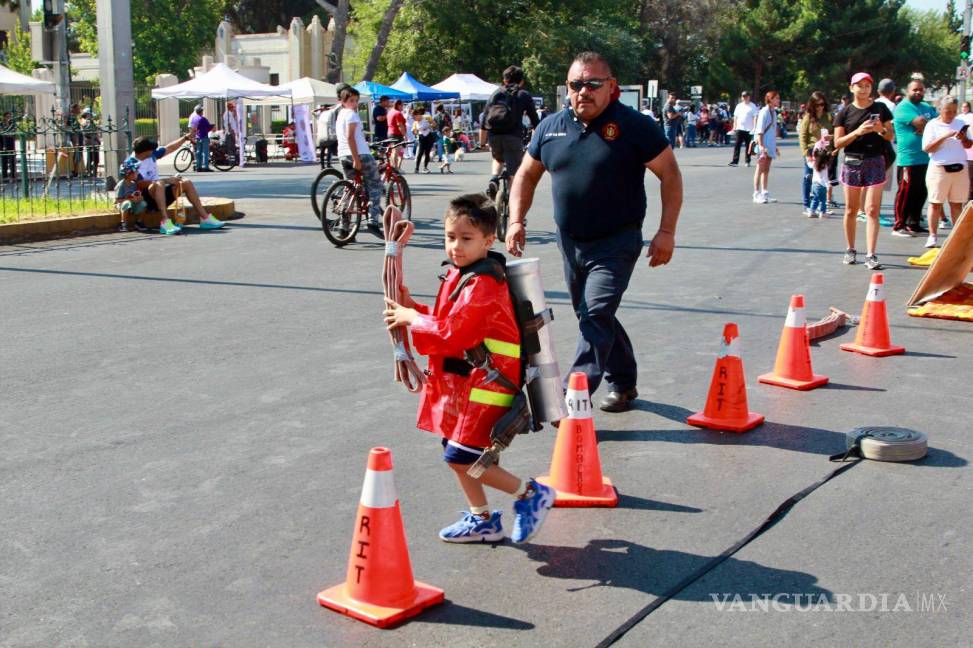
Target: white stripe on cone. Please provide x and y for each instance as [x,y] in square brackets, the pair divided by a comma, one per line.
[796,318]
[731,349]
[378,491]
[579,403]
[876,293]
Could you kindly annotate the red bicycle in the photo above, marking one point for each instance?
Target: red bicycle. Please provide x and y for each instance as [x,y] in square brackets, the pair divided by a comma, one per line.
[346,202]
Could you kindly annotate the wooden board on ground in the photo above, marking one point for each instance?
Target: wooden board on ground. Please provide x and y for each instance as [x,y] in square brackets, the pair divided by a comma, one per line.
[952,265]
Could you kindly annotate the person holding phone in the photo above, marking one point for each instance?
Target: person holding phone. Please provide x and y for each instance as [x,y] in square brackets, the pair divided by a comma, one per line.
[945,139]
[863,129]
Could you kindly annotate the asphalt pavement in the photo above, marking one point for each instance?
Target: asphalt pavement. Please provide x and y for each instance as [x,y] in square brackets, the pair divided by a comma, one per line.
[185,423]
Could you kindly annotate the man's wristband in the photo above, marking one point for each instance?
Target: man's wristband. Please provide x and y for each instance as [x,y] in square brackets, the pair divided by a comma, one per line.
[664,231]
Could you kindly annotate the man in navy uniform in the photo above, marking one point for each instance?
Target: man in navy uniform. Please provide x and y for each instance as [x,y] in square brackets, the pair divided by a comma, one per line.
[597,152]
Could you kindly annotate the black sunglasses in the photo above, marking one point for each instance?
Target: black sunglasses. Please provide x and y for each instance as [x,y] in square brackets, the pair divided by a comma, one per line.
[590,84]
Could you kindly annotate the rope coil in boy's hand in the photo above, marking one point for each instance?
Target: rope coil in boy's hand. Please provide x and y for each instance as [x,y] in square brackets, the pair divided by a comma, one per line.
[397,234]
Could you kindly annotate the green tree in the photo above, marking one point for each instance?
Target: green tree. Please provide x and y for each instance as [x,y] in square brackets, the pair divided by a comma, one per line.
[17,53]
[262,16]
[167,37]
[933,48]
[434,40]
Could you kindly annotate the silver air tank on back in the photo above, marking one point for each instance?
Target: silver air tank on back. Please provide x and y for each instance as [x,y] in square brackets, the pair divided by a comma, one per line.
[543,379]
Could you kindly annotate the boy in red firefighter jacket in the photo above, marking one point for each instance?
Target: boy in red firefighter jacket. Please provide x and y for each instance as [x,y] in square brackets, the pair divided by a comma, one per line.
[462,402]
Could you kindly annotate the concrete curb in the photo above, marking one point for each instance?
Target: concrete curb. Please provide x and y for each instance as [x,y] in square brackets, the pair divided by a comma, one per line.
[221,208]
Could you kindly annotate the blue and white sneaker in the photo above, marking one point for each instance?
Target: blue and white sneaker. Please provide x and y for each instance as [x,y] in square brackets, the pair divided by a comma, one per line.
[211,222]
[473,528]
[531,511]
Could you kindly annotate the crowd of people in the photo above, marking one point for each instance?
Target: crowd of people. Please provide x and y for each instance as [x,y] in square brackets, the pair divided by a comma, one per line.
[856,144]
[441,135]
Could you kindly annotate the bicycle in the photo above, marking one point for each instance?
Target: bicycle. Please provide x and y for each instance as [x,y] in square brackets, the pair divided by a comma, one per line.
[220,158]
[501,193]
[397,192]
[342,209]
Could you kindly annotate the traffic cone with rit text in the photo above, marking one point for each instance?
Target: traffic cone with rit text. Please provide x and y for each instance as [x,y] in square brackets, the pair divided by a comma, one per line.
[726,404]
[793,367]
[379,588]
[873,337]
[576,466]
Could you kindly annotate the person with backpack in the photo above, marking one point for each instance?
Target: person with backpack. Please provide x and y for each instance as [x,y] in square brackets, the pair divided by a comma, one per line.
[503,128]
[464,402]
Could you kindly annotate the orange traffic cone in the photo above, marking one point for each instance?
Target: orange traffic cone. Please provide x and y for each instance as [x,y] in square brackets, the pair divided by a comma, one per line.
[726,404]
[576,466]
[793,367]
[873,337]
[379,588]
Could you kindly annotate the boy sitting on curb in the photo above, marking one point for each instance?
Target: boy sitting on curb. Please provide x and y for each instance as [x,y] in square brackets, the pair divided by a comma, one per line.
[128,198]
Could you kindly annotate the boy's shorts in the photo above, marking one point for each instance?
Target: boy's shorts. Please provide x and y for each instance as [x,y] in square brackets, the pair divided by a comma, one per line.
[457,453]
[133,206]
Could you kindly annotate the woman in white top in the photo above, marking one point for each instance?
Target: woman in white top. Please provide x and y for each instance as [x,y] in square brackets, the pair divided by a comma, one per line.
[765,137]
[945,139]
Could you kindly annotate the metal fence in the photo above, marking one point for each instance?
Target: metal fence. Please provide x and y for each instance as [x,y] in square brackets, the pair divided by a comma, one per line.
[54,167]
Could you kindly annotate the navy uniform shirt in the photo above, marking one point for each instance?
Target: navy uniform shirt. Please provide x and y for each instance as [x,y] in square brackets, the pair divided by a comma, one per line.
[598,171]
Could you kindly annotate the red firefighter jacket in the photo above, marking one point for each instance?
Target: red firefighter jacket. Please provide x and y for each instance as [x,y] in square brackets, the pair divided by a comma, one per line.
[461,407]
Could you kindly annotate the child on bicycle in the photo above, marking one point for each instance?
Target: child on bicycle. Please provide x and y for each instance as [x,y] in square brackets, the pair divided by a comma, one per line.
[355,156]
[456,403]
[128,197]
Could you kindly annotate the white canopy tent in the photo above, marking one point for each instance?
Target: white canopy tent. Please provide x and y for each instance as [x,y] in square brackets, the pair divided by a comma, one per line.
[305,90]
[14,83]
[469,86]
[220,82]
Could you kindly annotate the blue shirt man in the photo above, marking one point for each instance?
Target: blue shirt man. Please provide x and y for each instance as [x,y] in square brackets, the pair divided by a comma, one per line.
[909,119]
[597,152]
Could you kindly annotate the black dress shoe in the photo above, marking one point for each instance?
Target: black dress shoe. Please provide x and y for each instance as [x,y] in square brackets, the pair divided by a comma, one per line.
[618,401]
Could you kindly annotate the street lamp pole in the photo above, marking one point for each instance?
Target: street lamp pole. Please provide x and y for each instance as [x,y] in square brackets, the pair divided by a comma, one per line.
[967,11]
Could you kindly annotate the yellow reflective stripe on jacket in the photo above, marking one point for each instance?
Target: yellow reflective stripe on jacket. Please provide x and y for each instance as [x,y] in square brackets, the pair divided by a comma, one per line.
[491,397]
[502,348]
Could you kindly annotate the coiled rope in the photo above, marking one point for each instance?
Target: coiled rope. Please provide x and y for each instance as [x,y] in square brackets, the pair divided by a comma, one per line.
[398,231]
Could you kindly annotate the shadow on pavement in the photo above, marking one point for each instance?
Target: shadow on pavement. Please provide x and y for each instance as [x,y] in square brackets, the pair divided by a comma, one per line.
[453,614]
[620,563]
[562,298]
[283,227]
[843,387]
[774,435]
[205,282]
[938,458]
[777,250]
[920,354]
[642,504]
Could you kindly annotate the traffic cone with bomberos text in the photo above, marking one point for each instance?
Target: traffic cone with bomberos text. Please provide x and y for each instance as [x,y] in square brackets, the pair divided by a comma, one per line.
[873,337]
[726,404]
[379,588]
[576,467]
[793,367]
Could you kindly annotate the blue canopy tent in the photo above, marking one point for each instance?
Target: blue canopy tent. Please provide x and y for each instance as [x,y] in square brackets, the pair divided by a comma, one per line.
[420,92]
[376,90]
